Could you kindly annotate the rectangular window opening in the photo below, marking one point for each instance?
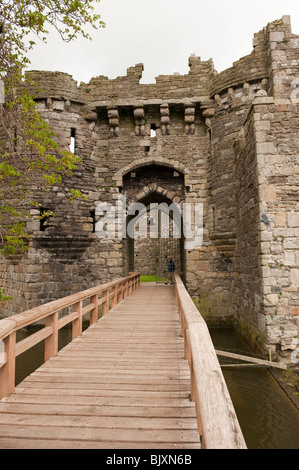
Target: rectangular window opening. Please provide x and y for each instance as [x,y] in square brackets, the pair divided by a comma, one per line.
[15,140]
[213,218]
[92,215]
[153,130]
[73,141]
[44,218]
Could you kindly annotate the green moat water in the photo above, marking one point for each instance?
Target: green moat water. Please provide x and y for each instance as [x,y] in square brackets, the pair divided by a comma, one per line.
[268,418]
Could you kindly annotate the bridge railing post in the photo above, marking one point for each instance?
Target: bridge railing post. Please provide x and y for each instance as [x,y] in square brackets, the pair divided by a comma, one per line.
[126,293]
[94,312]
[7,371]
[124,290]
[105,302]
[51,342]
[193,394]
[121,295]
[187,352]
[114,296]
[77,323]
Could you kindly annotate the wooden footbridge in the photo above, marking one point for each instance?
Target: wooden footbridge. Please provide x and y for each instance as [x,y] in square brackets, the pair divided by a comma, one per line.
[144,375]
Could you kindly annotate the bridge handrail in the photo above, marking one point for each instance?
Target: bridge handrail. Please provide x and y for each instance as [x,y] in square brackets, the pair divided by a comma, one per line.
[217,421]
[111,293]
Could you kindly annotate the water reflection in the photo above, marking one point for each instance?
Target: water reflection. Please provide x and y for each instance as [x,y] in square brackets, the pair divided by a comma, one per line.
[268,418]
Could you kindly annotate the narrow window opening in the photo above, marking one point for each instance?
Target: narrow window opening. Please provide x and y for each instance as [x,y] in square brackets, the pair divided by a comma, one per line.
[15,139]
[153,130]
[73,141]
[92,215]
[213,218]
[44,218]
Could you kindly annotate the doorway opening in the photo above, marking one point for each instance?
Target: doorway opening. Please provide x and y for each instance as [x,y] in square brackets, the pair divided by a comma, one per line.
[154,237]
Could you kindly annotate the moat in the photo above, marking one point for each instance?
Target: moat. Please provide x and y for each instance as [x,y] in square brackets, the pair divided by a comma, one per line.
[268,418]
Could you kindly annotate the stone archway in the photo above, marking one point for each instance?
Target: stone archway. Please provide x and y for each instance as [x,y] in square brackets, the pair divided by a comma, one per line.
[161,187]
[150,254]
[148,162]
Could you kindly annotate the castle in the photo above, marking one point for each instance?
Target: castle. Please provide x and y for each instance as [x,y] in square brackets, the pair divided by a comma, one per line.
[228,141]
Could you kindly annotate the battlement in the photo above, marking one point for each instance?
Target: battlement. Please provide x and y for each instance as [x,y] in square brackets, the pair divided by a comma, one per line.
[275,40]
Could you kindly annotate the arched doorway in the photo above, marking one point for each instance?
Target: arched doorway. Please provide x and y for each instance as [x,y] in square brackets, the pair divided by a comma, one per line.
[154,223]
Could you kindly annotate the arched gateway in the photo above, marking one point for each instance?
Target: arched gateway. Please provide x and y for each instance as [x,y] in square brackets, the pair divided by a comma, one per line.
[154,195]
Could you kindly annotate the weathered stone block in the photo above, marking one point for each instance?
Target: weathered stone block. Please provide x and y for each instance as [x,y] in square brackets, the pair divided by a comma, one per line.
[293,219]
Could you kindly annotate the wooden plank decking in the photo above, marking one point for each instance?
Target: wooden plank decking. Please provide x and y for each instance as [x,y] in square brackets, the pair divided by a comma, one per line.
[122,384]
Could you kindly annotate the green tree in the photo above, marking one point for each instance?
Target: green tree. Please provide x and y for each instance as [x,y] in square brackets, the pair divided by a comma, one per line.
[29,154]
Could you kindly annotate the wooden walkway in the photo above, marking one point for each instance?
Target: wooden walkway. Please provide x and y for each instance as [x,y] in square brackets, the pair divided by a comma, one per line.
[122,384]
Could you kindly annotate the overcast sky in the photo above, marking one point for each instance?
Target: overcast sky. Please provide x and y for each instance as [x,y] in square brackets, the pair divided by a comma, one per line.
[162,34]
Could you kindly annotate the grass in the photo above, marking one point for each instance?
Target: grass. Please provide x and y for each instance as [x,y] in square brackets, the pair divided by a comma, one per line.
[151,278]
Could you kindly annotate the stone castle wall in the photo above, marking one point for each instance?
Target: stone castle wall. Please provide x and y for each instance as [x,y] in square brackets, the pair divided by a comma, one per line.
[227,140]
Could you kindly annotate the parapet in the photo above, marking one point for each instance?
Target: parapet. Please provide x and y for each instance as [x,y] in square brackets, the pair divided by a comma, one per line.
[201,80]
[55,85]
[255,66]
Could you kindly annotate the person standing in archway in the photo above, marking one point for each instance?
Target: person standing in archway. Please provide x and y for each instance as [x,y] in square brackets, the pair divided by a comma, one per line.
[171,269]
